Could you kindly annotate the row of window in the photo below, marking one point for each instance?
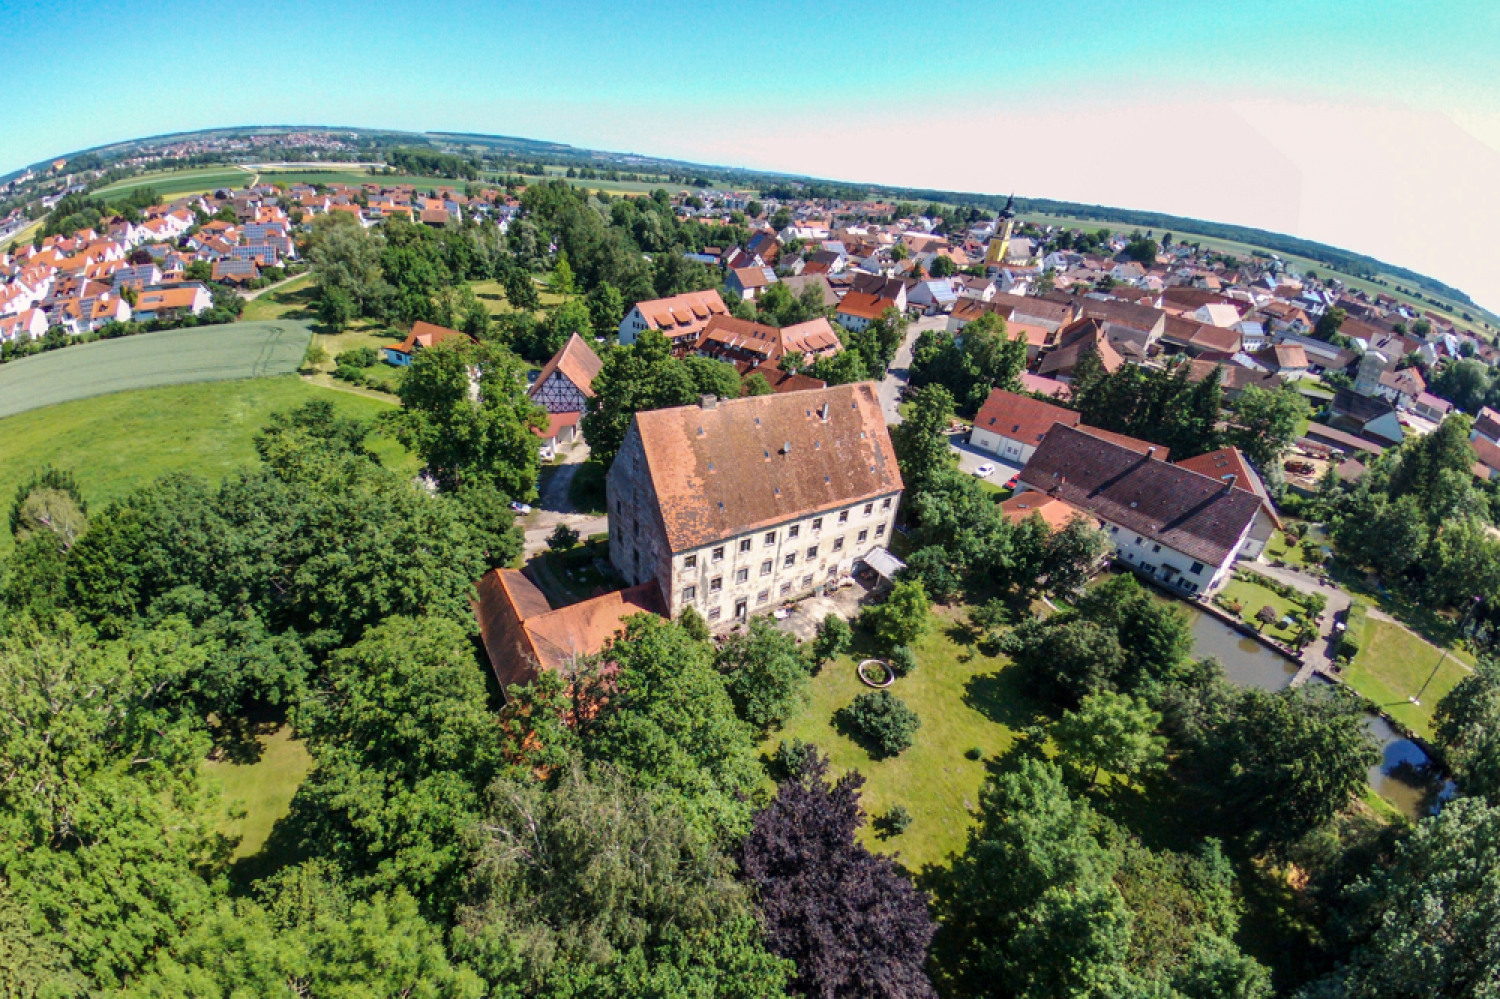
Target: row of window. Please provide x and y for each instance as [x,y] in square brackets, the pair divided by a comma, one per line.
[690,593]
[717,554]
[1195,569]
[716,584]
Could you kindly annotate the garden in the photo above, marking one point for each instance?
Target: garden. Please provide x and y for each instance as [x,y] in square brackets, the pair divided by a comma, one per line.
[1274,609]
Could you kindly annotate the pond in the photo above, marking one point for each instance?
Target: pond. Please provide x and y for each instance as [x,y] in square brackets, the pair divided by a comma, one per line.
[1401,777]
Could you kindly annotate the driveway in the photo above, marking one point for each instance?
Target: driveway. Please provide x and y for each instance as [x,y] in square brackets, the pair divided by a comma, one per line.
[971,457]
[896,378]
[554,506]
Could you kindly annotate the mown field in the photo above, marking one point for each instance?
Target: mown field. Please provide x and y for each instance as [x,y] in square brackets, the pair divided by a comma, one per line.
[117,443]
[173,183]
[166,357]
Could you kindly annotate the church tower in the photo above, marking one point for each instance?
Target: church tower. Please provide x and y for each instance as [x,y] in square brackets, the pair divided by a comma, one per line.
[1005,225]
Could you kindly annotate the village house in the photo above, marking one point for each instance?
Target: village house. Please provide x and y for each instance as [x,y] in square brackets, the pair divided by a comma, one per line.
[172,302]
[679,318]
[858,310]
[563,388]
[731,505]
[749,282]
[1181,527]
[422,336]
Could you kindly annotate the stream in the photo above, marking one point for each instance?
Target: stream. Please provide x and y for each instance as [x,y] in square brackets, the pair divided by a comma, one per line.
[1401,777]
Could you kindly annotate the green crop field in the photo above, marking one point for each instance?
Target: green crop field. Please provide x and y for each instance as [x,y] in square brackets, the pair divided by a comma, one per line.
[166,357]
[174,183]
[117,443]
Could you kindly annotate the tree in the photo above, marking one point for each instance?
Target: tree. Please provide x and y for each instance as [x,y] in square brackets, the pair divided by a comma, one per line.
[1468,728]
[880,720]
[833,639]
[1266,421]
[336,308]
[404,742]
[756,384]
[667,722]
[943,266]
[901,618]
[1329,323]
[1425,925]
[825,898]
[921,438]
[1110,733]
[345,261]
[597,887]
[1073,555]
[1142,249]
[520,290]
[562,282]
[1065,661]
[468,440]
[606,309]
[642,376]
[1284,764]
[765,673]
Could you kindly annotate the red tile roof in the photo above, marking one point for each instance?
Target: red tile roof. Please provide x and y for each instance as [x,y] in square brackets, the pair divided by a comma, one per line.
[578,363]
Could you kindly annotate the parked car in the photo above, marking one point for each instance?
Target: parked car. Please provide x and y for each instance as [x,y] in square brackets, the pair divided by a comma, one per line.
[521,508]
[1011,482]
[984,471]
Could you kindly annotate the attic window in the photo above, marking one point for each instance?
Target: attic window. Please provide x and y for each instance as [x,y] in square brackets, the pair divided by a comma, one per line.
[757,421]
[710,466]
[700,431]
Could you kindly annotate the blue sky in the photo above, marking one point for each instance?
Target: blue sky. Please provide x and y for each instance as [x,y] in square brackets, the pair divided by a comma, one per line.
[1370,125]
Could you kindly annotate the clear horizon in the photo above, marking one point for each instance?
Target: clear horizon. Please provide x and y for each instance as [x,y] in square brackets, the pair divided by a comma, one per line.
[1373,127]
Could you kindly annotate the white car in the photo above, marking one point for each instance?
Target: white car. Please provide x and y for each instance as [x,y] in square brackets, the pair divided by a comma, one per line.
[521,508]
[984,471]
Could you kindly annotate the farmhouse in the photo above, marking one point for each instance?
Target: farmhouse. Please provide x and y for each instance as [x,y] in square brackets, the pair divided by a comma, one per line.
[729,505]
[1179,526]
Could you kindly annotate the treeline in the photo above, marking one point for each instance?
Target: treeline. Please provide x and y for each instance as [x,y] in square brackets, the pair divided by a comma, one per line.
[432,162]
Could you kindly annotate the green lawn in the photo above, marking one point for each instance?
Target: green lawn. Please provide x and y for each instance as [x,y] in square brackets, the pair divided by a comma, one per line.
[1252,597]
[1392,666]
[263,789]
[166,357]
[117,443]
[963,706]
[1286,548]
[292,300]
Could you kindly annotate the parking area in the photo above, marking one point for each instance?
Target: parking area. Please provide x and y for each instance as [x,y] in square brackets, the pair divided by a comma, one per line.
[971,459]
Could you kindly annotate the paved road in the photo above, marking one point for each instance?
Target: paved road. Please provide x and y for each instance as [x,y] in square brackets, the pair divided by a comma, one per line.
[896,377]
[554,506]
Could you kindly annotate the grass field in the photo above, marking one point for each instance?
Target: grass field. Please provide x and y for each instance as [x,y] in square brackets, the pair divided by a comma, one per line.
[116,443]
[166,357]
[263,789]
[1393,664]
[175,183]
[964,705]
[292,300]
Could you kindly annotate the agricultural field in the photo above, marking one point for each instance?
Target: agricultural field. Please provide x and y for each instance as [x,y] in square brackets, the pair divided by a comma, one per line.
[166,357]
[175,183]
[116,443]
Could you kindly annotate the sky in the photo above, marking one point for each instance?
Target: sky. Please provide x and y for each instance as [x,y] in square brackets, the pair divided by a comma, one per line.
[1373,126]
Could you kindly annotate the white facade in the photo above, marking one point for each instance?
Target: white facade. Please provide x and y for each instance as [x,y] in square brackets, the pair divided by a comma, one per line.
[732,578]
[1007,448]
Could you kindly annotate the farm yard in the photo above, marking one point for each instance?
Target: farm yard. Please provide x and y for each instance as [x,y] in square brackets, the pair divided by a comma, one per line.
[166,357]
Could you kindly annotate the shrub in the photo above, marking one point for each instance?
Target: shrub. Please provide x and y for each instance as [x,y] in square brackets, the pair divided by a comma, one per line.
[1354,629]
[893,823]
[354,376]
[562,538]
[692,622]
[881,721]
[359,357]
[903,660]
[790,759]
[974,753]
[834,638]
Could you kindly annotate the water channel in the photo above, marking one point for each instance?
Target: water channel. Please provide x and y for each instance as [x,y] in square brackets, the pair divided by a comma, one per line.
[1400,777]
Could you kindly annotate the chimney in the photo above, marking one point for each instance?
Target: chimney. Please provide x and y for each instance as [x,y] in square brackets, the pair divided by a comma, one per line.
[1151,452]
[708,402]
[1229,481]
[823,411]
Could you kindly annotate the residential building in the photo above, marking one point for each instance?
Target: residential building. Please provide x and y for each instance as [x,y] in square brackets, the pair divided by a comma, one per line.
[680,318]
[172,301]
[1180,527]
[563,388]
[422,336]
[858,310]
[733,505]
[749,282]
